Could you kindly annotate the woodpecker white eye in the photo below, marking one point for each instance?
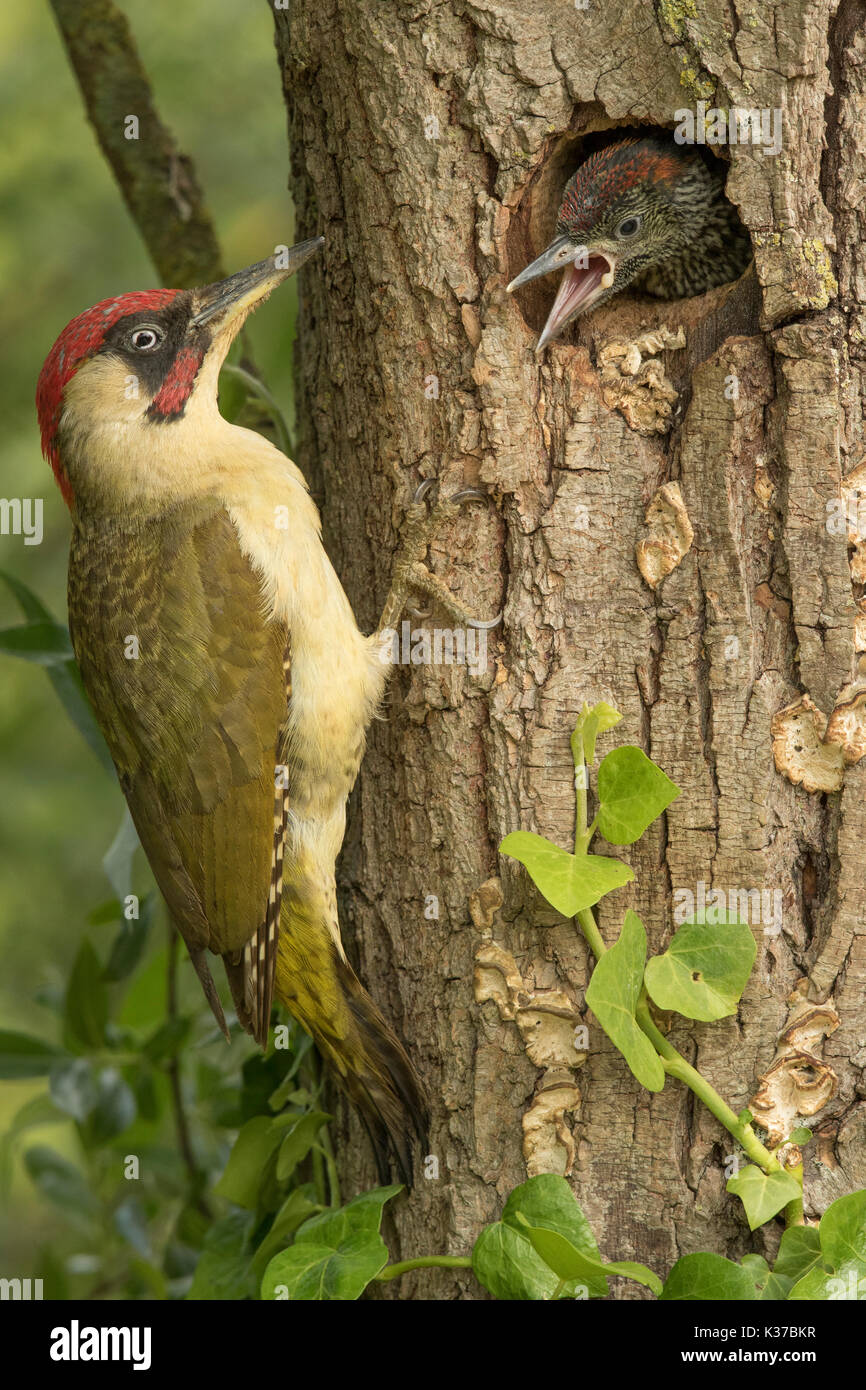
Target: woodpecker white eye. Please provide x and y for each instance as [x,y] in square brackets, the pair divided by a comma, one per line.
[629,227]
[146,339]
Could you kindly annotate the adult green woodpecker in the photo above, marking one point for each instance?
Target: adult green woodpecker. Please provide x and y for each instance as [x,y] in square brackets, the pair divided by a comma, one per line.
[642,212]
[224,664]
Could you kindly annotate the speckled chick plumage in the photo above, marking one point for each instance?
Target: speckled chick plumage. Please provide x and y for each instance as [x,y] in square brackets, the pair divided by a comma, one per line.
[690,239]
[641,213]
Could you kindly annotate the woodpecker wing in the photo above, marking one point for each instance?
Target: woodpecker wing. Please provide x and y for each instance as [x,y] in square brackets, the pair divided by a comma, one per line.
[189,679]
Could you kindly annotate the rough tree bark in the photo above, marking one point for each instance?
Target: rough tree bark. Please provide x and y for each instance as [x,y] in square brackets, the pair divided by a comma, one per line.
[430,144]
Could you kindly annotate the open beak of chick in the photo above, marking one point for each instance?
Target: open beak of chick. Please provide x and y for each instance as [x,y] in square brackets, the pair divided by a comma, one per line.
[588,274]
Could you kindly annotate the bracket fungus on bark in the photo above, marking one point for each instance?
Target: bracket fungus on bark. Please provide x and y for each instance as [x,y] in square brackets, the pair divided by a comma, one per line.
[633,379]
[546,1020]
[798,1083]
[670,535]
[813,751]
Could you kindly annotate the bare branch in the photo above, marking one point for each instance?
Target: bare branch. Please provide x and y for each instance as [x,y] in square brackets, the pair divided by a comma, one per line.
[158,183]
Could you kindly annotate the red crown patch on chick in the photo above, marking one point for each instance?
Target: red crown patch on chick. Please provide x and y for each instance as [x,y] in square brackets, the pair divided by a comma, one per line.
[610,173]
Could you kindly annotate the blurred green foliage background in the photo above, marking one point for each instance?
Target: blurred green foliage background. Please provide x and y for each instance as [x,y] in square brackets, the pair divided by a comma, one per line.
[66,241]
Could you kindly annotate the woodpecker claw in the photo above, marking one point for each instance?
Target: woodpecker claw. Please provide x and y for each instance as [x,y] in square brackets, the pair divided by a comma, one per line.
[411,574]
[422,489]
[468,494]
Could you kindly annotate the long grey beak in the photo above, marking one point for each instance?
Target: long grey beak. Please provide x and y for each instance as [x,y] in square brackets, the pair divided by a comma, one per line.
[228,299]
[560,251]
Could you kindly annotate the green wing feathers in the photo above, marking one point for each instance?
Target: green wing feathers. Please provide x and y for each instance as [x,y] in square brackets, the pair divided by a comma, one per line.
[187,679]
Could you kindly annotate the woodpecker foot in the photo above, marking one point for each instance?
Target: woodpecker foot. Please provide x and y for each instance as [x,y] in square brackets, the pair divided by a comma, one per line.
[411,575]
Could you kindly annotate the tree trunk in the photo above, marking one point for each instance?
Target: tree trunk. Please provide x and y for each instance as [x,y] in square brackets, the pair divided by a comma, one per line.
[430,145]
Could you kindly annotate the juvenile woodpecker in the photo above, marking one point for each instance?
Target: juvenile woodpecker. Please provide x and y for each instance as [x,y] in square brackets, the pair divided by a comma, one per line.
[640,212]
[224,664]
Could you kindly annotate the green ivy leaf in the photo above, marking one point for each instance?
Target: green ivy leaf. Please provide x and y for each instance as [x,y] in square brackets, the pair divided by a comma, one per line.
[842,1242]
[23,1057]
[85,1011]
[773,1289]
[613,994]
[591,723]
[505,1260]
[632,792]
[300,1137]
[704,970]
[307,1273]
[762,1194]
[298,1207]
[362,1215]
[705,1277]
[801,1135]
[569,882]
[799,1253]
[244,1175]
[573,1265]
[335,1255]
[224,1266]
[760,1271]
[547,1201]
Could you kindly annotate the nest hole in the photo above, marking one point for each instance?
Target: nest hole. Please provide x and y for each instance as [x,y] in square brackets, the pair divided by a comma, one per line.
[533,226]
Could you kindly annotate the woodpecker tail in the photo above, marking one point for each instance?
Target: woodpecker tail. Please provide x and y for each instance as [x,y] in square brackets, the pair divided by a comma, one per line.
[368,1062]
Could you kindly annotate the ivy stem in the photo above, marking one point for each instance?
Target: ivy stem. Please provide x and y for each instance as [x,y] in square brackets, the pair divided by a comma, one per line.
[581,836]
[673,1061]
[793,1213]
[424,1262]
[589,927]
[583,833]
[676,1065]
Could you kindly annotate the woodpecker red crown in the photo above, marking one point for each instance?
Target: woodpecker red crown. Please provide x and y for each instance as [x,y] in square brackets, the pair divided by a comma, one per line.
[609,173]
[80,339]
